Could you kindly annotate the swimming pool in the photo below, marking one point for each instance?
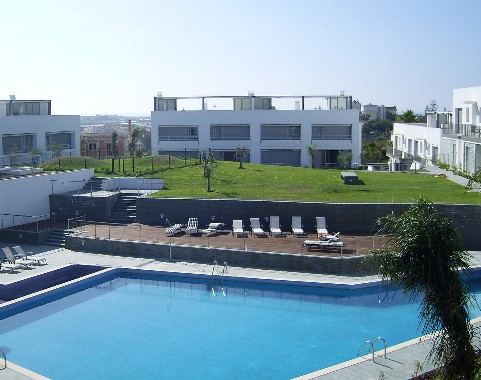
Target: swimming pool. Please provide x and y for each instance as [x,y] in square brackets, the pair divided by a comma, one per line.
[138,326]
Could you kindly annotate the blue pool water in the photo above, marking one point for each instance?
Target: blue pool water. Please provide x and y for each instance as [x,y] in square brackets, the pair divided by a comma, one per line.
[172,328]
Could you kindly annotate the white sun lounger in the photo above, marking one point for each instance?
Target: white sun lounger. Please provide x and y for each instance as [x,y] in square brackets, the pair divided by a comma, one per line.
[213,228]
[323,244]
[321,226]
[26,263]
[238,228]
[275,227]
[172,230]
[10,267]
[21,255]
[256,228]
[297,228]
[192,226]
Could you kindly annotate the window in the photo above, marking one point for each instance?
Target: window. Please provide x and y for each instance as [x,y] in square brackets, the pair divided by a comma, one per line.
[23,108]
[229,132]
[242,104]
[178,133]
[92,146]
[332,132]
[280,132]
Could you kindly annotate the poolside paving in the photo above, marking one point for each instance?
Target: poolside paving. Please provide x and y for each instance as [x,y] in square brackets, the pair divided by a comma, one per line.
[400,362]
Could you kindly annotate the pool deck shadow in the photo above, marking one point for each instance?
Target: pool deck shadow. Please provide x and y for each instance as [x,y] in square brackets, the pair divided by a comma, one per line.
[400,362]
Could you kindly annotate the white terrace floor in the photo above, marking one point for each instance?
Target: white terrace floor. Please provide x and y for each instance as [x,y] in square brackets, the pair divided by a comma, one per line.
[400,362]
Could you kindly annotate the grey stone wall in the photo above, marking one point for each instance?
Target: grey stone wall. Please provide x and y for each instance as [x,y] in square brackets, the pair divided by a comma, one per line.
[347,265]
[343,217]
[67,206]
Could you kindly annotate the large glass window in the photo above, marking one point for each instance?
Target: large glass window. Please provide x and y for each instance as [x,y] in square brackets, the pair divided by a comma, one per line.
[65,139]
[230,132]
[242,103]
[163,104]
[178,133]
[23,108]
[332,132]
[280,132]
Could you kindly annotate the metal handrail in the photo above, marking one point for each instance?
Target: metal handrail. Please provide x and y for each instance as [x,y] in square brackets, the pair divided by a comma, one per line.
[212,277]
[4,358]
[384,341]
[372,346]
[364,345]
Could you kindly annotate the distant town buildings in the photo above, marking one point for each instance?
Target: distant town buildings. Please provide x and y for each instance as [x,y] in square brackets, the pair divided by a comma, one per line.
[374,111]
[29,131]
[282,130]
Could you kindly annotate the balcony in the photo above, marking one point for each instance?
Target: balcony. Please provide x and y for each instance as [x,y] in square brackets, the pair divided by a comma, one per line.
[462,130]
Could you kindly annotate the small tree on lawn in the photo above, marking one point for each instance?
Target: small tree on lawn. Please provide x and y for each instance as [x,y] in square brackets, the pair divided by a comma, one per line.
[240,154]
[115,144]
[210,166]
[311,152]
[57,149]
[424,254]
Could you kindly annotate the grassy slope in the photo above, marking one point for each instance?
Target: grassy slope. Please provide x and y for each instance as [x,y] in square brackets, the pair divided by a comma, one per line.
[285,183]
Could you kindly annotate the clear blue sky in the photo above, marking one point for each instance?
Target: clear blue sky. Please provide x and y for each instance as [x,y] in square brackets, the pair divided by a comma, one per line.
[113,56]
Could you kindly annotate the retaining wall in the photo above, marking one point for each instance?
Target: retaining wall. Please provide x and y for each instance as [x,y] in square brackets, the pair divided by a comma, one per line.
[346,265]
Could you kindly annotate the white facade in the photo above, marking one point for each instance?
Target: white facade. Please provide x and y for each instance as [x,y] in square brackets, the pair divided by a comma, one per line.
[26,125]
[462,140]
[26,199]
[414,142]
[270,134]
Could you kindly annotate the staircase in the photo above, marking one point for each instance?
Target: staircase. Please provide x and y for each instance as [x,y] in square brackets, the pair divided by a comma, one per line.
[125,209]
[56,238]
[94,184]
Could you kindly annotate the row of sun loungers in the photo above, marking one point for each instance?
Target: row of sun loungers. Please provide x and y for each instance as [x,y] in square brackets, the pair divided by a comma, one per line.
[18,260]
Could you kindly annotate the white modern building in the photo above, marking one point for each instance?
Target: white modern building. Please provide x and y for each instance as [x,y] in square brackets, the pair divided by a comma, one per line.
[453,138]
[274,129]
[417,142]
[27,125]
[462,138]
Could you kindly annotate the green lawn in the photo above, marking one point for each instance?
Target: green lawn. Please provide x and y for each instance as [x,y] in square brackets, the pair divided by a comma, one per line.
[269,182]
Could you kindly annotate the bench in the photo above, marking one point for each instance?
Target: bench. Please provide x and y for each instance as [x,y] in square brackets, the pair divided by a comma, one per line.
[350,178]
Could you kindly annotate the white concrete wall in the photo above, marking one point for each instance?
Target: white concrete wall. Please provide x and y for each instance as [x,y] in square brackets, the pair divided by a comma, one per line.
[41,124]
[306,118]
[426,137]
[30,195]
[468,98]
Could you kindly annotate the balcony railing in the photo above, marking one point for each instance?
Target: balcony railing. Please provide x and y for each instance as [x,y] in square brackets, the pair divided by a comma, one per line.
[229,138]
[466,130]
[331,137]
[178,138]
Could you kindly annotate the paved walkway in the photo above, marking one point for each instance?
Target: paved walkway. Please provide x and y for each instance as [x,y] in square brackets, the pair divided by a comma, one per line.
[448,173]
[399,364]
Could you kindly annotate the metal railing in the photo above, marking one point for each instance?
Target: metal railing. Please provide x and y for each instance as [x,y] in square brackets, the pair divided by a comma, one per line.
[372,346]
[14,220]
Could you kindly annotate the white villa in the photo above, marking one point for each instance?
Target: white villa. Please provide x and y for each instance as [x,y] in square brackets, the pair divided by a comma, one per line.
[274,129]
[29,124]
[450,137]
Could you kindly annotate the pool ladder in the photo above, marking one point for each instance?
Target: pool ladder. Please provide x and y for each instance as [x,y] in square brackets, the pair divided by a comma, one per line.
[372,346]
[223,273]
[4,359]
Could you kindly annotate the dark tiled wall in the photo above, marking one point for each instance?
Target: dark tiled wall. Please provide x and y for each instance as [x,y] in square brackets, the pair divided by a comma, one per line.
[94,208]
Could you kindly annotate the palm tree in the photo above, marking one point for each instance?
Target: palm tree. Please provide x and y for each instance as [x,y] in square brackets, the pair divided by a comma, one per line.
[424,254]
[407,117]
